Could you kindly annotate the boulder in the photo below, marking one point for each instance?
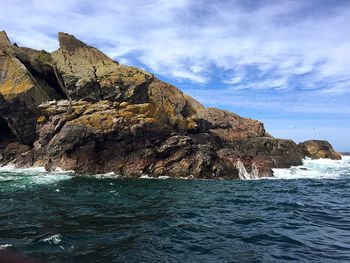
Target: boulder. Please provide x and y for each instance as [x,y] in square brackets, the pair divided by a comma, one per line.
[317,149]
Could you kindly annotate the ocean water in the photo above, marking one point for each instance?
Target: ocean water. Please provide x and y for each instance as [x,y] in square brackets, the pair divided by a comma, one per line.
[302,215]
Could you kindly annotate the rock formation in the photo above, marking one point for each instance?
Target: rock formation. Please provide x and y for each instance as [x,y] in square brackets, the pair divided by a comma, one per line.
[317,149]
[77,109]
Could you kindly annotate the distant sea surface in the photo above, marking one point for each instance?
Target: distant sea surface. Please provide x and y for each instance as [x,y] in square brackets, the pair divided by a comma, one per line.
[303,215]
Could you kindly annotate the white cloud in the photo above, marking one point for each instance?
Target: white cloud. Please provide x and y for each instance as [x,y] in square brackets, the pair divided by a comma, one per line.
[281,43]
[235,79]
[280,101]
[189,37]
[277,56]
[189,75]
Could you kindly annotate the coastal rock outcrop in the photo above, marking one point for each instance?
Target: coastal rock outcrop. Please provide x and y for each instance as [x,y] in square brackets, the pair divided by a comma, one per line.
[27,79]
[317,149]
[78,109]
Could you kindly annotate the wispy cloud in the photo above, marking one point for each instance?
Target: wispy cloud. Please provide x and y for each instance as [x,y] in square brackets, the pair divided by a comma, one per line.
[288,56]
[175,38]
[282,102]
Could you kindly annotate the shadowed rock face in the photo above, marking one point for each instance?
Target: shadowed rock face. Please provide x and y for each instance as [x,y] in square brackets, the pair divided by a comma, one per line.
[78,109]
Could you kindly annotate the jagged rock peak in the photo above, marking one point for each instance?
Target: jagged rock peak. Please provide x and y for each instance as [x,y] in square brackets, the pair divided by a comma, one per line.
[4,40]
[69,42]
[73,46]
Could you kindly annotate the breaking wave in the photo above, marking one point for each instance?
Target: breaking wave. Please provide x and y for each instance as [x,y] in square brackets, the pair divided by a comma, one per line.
[5,246]
[92,220]
[13,178]
[54,239]
[316,169]
[310,169]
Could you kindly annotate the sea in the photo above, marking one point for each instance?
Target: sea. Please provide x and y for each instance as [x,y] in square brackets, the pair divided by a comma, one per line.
[300,215]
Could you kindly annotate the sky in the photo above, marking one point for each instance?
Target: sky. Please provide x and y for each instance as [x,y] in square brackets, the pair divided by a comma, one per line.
[285,63]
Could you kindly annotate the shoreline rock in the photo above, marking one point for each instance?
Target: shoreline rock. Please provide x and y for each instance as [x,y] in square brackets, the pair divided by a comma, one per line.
[77,109]
[317,149]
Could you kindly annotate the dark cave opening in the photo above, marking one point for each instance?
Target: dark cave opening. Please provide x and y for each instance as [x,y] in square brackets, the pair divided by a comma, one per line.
[5,131]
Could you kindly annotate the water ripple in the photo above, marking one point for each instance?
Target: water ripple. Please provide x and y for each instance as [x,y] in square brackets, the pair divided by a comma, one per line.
[116,220]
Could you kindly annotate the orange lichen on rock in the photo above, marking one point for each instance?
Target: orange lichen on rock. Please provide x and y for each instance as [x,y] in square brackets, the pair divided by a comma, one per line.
[41,119]
[9,89]
[17,78]
[96,121]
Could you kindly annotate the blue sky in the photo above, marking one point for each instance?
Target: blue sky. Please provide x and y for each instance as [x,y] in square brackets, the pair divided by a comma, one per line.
[286,63]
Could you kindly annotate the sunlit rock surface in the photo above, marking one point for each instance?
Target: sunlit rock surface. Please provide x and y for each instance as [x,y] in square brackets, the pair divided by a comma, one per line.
[77,109]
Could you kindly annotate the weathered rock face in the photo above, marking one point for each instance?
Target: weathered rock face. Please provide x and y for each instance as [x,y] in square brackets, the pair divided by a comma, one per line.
[77,109]
[317,149]
[4,40]
[279,152]
[90,75]
[23,86]
[175,103]
[129,139]
[229,126]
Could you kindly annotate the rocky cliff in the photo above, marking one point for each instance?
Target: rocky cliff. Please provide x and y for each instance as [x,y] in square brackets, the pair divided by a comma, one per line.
[78,109]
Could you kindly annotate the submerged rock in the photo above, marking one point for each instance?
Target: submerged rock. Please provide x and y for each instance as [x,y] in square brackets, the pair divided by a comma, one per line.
[77,109]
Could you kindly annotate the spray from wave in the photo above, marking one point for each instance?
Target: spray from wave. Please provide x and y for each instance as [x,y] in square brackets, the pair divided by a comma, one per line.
[14,178]
[316,169]
[311,169]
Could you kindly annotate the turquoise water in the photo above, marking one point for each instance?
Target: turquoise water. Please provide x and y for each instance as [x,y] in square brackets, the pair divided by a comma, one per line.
[304,216]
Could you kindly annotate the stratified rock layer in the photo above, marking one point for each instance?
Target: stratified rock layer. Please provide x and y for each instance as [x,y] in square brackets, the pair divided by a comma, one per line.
[78,109]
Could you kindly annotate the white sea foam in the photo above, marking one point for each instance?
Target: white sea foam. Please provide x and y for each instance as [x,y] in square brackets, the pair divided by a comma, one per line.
[54,239]
[49,178]
[23,177]
[106,175]
[5,246]
[32,170]
[316,169]
[313,169]
[145,176]
[59,170]
[162,177]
